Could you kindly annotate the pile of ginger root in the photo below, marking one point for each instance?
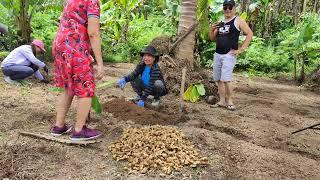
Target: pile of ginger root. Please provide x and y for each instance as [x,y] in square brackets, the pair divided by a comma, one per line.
[154,148]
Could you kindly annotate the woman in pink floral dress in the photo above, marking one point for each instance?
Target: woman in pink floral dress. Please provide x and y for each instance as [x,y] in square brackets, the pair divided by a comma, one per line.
[78,33]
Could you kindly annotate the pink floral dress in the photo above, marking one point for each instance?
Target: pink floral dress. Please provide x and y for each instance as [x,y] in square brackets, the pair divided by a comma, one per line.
[73,69]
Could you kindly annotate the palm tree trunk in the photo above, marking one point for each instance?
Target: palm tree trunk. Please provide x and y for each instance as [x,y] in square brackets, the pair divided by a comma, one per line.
[296,11]
[243,6]
[295,68]
[305,2]
[187,19]
[315,6]
[266,25]
[302,73]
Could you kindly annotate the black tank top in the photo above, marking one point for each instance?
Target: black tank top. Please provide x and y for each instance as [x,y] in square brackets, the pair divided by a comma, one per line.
[227,37]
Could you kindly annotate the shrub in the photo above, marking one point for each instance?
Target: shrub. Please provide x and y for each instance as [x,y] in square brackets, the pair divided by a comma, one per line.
[141,33]
[45,26]
[3,55]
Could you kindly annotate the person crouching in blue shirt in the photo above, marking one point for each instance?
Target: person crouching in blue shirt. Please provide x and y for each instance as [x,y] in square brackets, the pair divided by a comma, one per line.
[146,79]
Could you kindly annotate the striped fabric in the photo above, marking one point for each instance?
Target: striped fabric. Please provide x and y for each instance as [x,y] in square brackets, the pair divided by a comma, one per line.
[155,74]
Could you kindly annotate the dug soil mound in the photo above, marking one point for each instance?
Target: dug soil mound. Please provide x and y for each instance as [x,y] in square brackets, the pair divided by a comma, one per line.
[162,44]
[171,67]
[128,111]
[313,82]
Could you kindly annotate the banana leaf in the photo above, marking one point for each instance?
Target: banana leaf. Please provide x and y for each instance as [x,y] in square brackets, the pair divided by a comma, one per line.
[96,106]
[187,93]
[56,89]
[200,89]
[106,84]
[194,94]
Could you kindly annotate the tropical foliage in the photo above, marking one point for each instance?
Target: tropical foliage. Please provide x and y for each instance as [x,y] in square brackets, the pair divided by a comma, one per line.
[286,36]
[194,92]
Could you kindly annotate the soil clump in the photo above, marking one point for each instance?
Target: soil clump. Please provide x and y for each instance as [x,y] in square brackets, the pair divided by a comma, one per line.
[129,111]
[171,68]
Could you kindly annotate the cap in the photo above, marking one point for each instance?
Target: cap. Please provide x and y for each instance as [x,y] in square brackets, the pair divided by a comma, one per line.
[229,2]
[39,44]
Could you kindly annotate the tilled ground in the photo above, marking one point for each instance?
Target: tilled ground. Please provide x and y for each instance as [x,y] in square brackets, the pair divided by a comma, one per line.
[254,142]
[130,112]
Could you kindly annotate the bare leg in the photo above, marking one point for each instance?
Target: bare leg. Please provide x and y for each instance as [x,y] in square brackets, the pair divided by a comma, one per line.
[64,101]
[222,93]
[83,109]
[228,89]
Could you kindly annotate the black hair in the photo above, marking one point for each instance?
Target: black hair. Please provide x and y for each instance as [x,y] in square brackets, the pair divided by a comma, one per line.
[33,47]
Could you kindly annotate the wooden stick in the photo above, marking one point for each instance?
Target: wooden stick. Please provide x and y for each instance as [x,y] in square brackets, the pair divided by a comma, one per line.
[310,127]
[56,139]
[191,28]
[170,58]
[184,71]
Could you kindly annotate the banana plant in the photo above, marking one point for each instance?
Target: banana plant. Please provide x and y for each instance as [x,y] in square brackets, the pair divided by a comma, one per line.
[305,35]
[194,92]
[116,15]
[22,12]
[202,15]
[173,10]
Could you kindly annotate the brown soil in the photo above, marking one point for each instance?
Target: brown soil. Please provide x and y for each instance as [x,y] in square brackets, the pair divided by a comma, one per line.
[128,111]
[253,142]
[313,81]
[173,76]
[162,44]
[172,69]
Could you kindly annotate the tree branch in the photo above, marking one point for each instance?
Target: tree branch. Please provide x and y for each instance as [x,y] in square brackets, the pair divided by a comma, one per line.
[191,28]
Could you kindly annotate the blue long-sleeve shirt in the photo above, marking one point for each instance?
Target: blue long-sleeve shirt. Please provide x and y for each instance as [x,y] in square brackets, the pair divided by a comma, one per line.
[23,56]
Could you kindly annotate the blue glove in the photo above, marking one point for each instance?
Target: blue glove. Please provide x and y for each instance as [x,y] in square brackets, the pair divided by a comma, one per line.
[122,83]
[140,103]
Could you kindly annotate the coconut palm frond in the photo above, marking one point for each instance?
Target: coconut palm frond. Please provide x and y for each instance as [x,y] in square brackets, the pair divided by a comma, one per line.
[202,15]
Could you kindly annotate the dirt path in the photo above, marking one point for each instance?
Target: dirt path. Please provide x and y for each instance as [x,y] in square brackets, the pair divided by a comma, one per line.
[253,142]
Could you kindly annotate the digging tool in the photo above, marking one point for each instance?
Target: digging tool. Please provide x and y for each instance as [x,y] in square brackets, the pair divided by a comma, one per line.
[310,127]
[184,71]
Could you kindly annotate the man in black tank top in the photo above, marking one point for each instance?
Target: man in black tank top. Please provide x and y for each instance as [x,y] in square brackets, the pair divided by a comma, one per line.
[226,34]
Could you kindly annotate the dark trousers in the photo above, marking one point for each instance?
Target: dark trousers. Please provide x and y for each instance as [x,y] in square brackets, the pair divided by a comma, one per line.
[19,72]
[158,91]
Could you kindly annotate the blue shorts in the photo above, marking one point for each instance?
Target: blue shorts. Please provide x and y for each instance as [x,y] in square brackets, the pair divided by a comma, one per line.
[223,66]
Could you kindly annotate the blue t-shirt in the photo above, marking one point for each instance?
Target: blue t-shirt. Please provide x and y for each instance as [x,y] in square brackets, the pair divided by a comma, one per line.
[146,76]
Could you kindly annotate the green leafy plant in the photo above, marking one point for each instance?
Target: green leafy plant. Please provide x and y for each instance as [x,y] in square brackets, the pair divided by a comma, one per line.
[302,44]
[56,89]
[261,58]
[173,10]
[106,84]
[141,32]
[95,104]
[3,55]
[44,27]
[194,92]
